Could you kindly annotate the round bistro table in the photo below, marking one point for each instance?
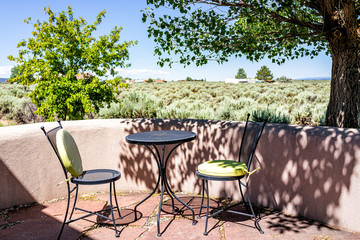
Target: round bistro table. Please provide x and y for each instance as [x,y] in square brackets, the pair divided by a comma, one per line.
[150,140]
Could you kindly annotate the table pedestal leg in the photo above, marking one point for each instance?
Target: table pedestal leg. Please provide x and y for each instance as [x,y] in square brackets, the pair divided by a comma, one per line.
[168,189]
[152,193]
[162,162]
[160,206]
[186,205]
[157,183]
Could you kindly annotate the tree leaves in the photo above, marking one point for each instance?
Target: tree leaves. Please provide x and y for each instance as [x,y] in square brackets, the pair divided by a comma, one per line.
[66,61]
[215,30]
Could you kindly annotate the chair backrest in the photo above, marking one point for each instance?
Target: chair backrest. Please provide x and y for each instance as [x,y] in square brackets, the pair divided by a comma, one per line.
[65,149]
[51,137]
[250,139]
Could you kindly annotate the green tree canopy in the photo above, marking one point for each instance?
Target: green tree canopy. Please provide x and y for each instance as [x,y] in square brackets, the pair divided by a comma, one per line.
[65,61]
[241,74]
[202,30]
[15,70]
[264,74]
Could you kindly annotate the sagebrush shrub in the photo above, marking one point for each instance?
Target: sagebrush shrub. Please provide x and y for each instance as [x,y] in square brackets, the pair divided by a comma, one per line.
[296,102]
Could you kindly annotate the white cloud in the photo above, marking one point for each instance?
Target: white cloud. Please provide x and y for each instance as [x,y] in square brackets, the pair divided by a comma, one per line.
[5,71]
[144,72]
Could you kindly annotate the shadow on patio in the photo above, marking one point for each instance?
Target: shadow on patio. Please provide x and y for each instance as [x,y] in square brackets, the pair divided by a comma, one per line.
[30,221]
[43,221]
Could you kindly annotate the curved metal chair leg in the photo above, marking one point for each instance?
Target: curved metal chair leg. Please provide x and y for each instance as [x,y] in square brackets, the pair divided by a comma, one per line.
[242,196]
[112,213]
[257,225]
[202,197]
[75,201]
[117,205]
[207,207]
[66,213]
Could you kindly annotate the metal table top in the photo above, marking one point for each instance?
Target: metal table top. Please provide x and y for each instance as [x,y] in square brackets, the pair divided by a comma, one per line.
[163,137]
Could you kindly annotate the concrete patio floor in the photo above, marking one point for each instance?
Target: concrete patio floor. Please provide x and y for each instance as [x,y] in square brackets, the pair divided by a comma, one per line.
[43,221]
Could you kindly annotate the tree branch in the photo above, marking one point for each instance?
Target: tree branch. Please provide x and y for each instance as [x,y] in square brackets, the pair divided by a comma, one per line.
[295,20]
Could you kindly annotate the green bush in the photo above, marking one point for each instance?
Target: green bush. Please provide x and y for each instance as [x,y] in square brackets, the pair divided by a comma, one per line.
[7,104]
[134,105]
[113,111]
[20,110]
[270,115]
[284,79]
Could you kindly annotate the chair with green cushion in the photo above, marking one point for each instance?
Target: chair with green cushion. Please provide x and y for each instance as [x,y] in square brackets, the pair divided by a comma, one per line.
[68,154]
[230,170]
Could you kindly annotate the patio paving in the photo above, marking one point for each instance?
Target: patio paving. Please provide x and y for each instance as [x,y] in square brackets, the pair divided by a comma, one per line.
[43,221]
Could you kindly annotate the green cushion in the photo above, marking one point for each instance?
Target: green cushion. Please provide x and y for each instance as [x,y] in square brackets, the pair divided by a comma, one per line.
[69,153]
[223,168]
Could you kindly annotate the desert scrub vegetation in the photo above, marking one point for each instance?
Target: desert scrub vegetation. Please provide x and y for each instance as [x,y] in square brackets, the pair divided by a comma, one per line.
[16,106]
[297,102]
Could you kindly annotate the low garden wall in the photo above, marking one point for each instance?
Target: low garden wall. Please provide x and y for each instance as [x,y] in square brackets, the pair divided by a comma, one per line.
[308,171]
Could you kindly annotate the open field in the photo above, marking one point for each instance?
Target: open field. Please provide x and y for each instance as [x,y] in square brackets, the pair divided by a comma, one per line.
[298,102]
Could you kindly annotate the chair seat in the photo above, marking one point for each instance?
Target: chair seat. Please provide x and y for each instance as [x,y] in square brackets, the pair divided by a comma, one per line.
[223,168]
[97,176]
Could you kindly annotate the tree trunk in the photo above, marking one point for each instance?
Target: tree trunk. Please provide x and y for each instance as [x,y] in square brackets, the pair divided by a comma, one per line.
[343,107]
[342,33]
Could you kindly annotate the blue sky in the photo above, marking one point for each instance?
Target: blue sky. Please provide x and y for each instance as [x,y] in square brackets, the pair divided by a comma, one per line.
[126,13]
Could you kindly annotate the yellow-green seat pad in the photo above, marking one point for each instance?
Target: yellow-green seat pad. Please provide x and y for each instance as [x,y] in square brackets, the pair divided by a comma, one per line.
[223,168]
[69,152]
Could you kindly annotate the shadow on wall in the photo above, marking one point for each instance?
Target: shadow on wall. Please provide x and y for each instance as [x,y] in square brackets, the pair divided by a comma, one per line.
[305,170]
[13,193]
[138,164]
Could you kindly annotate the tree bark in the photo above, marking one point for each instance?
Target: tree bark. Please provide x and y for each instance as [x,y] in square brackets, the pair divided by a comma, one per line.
[343,107]
[342,33]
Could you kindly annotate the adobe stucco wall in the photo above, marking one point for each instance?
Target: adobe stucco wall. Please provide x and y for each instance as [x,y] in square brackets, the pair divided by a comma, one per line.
[310,171]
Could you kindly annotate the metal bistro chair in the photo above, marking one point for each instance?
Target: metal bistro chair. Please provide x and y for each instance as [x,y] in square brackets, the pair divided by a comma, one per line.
[68,154]
[230,170]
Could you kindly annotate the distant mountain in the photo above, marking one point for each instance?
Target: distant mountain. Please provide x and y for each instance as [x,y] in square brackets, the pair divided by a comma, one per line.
[314,78]
[3,79]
